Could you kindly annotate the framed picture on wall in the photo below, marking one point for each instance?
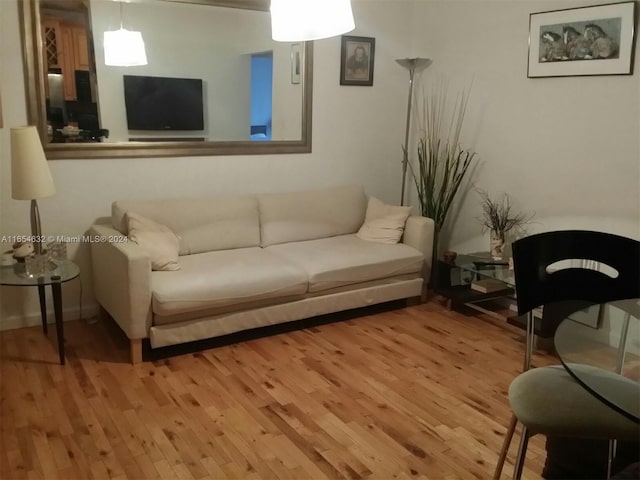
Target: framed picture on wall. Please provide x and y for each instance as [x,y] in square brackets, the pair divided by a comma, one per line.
[356,60]
[595,40]
[296,62]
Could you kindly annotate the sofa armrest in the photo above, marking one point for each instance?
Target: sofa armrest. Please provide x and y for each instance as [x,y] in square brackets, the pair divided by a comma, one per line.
[419,234]
[122,280]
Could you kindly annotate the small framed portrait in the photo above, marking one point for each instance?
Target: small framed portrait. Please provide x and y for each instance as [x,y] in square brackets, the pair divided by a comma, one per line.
[594,40]
[356,60]
[296,63]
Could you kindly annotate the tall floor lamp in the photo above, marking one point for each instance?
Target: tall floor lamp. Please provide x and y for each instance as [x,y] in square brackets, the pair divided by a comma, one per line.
[30,175]
[413,65]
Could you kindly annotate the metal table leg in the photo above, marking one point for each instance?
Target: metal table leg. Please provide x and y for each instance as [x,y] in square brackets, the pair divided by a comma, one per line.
[57,305]
[43,308]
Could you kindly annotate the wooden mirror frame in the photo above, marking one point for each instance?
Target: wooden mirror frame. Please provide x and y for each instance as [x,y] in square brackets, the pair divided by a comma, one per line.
[34,70]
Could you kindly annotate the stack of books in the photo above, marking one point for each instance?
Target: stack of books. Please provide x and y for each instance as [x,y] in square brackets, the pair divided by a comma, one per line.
[488,285]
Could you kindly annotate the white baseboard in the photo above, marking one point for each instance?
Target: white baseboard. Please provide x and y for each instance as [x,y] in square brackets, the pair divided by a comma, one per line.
[34,319]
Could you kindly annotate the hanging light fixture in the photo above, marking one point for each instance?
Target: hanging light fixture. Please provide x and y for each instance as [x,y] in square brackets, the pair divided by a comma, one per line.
[301,20]
[124,48]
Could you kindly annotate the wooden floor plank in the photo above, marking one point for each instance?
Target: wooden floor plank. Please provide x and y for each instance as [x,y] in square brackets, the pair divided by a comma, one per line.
[413,393]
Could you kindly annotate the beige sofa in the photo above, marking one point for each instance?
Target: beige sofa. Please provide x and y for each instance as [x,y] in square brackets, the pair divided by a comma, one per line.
[251,261]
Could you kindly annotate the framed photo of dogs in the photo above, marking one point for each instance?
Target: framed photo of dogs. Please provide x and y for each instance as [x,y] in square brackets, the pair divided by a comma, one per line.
[595,40]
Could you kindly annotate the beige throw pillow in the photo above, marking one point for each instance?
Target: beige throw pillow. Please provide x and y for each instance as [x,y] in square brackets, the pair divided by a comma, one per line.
[383,223]
[158,240]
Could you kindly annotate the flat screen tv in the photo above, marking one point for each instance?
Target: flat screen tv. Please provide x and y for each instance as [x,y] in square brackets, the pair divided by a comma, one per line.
[161,103]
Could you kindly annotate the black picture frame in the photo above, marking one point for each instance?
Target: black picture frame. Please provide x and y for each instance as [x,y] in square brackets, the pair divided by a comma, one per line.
[583,41]
[357,56]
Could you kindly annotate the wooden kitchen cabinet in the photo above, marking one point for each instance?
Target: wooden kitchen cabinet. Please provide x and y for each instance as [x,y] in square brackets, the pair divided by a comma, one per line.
[52,42]
[66,49]
[80,47]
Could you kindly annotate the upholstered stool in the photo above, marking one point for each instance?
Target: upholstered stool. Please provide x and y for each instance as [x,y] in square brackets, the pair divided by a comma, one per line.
[550,270]
[549,401]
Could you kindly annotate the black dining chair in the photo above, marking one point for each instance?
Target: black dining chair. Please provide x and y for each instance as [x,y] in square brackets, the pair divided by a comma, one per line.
[563,271]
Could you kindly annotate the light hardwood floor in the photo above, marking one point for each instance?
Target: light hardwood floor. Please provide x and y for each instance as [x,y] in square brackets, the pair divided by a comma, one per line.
[418,392]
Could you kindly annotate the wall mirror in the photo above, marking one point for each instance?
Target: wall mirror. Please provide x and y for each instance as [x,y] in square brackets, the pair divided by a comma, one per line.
[215,82]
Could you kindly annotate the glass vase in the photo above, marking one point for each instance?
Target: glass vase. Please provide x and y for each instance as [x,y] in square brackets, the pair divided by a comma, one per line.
[497,245]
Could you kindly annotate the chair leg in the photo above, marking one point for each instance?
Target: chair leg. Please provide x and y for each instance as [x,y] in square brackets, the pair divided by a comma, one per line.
[522,452]
[530,340]
[505,447]
[612,454]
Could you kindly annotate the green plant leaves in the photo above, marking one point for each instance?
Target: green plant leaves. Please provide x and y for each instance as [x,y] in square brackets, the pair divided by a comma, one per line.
[441,164]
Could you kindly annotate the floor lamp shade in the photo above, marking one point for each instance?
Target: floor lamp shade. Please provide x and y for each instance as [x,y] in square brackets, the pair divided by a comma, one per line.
[124,48]
[30,174]
[301,20]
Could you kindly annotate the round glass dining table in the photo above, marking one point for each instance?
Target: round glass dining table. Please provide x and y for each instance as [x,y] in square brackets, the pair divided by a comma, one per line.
[599,346]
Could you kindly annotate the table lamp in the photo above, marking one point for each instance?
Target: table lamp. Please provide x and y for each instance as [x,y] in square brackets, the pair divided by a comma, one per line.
[30,175]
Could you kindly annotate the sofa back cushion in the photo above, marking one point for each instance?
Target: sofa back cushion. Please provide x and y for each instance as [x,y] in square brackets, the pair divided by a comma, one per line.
[297,216]
[203,224]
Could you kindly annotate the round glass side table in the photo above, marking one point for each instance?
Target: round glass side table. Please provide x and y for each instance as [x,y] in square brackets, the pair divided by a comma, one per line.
[16,276]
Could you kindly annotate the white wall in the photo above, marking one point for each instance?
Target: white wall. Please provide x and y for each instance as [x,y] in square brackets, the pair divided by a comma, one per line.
[286,115]
[566,148]
[357,134]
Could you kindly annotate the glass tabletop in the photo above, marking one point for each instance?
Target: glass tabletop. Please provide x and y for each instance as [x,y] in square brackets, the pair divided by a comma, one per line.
[60,272]
[482,264]
[600,347]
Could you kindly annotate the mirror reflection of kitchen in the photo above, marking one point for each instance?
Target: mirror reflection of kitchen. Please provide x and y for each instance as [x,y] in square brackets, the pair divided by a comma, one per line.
[71,103]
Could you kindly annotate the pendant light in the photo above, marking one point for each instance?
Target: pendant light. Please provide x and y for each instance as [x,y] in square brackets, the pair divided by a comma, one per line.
[301,20]
[124,48]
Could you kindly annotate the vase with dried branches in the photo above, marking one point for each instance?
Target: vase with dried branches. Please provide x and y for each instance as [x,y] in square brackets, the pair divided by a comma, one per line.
[441,164]
[500,218]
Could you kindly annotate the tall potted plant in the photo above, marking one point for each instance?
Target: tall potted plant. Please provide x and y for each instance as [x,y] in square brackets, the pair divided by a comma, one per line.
[441,163]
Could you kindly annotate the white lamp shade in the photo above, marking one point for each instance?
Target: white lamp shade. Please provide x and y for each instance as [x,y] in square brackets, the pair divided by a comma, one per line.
[30,174]
[124,48]
[300,20]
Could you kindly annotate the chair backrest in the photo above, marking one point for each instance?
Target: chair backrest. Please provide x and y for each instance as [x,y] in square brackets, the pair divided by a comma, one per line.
[537,285]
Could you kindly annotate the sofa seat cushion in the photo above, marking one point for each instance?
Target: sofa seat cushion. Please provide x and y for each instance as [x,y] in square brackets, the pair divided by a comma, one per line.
[223,278]
[346,260]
